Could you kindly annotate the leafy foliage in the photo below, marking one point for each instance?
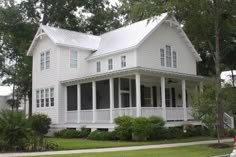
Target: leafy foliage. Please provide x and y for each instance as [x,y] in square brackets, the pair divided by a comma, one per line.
[40,123]
[124,127]
[67,133]
[102,135]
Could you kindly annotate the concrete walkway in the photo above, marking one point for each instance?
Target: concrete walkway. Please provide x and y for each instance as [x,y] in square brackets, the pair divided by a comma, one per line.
[112,149]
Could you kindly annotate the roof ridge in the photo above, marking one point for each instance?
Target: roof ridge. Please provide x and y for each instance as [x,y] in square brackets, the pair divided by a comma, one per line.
[70,30]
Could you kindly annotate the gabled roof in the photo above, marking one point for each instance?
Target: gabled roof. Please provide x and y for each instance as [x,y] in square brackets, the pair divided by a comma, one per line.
[127,37]
[119,40]
[67,38]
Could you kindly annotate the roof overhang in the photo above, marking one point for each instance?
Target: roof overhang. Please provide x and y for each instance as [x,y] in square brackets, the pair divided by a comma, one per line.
[133,71]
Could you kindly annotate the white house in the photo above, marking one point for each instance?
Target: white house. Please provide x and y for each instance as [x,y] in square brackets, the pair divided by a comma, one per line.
[143,69]
[5,94]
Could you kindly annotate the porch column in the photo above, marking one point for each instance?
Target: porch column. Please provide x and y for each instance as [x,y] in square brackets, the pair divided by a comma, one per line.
[111,81]
[94,100]
[138,94]
[65,103]
[184,99]
[163,97]
[78,102]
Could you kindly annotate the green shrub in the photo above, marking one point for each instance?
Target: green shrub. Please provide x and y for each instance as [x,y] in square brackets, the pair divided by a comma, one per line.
[67,133]
[84,132]
[141,128]
[230,132]
[124,127]
[15,130]
[174,132]
[102,135]
[40,123]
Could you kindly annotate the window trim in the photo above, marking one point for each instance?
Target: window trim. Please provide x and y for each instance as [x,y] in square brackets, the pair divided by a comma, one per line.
[73,59]
[45,96]
[162,55]
[43,61]
[174,59]
[47,59]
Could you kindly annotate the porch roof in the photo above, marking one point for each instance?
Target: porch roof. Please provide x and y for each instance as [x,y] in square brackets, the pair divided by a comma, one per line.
[132,71]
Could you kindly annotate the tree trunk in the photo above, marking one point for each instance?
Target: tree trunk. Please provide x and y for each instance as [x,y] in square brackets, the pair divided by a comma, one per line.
[232,77]
[220,121]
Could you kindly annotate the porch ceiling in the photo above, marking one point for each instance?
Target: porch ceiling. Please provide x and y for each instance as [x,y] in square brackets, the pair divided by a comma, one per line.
[131,71]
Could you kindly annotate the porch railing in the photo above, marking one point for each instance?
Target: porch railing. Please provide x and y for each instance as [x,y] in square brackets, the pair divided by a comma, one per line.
[72,116]
[124,111]
[102,115]
[152,111]
[86,116]
[174,113]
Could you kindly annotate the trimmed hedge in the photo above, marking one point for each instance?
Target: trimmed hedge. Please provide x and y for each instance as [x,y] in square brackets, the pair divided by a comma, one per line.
[124,127]
[102,135]
[67,133]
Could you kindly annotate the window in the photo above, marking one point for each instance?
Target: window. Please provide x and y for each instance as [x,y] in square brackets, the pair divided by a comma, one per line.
[37,99]
[98,66]
[110,66]
[52,96]
[147,96]
[73,58]
[168,56]
[42,98]
[174,59]
[42,60]
[47,97]
[123,61]
[47,59]
[162,52]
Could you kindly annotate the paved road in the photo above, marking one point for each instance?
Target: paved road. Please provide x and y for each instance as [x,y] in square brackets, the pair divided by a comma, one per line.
[112,149]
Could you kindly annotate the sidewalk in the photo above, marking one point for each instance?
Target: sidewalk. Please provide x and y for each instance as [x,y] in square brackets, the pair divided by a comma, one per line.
[111,149]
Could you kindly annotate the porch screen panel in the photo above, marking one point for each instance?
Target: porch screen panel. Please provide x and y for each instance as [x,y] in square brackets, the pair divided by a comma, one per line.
[133,93]
[142,95]
[116,95]
[173,97]
[103,94]
[86,96]
[154,96]
[72,98]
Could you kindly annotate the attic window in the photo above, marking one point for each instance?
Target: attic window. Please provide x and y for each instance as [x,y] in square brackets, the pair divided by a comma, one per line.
[168,56]
[98,66]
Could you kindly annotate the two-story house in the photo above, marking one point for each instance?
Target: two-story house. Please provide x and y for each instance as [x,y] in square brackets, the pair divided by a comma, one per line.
[143,69]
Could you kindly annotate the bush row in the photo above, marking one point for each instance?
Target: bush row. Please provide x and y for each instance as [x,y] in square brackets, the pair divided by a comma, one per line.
[72,133]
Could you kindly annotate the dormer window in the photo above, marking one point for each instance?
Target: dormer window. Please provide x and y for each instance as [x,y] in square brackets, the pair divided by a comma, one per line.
[168,56]
[73,58]
[98,66]
[123,61]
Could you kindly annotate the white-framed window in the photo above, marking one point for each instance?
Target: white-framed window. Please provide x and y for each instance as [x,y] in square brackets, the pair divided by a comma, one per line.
[37,99]
[168,56]
[162,54]
[42,97]
[47,59]
[98,66]
[42,61]
[174,59]
[110,65]
[47,97]
[123,61]
[73,58]
[147,96]
[52,96]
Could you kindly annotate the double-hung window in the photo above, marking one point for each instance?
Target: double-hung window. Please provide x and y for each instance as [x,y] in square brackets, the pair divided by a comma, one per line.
[47,97]
[42,61]
[52,96]
[73,58]
[162,52]
[98,66]
[174,59]
[123,61]
[37,99]
[42,98]
[110,66]
[168,56]
[47,59]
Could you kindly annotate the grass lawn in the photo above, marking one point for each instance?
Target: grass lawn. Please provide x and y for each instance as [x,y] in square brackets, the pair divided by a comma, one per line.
[68,144]
[188,151]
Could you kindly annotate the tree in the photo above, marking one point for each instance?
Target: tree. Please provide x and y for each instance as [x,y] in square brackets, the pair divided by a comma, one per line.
[204,22]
